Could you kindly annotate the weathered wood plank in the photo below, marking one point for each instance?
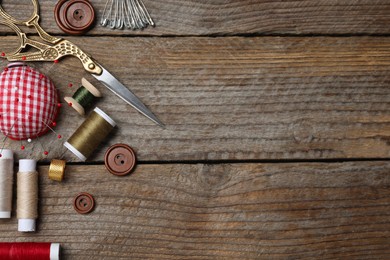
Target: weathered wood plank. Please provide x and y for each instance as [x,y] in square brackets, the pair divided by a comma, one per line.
[191,17]
[239,211]
[238,98]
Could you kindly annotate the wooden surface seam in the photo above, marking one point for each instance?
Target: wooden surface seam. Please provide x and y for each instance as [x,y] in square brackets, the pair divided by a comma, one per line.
[277,138]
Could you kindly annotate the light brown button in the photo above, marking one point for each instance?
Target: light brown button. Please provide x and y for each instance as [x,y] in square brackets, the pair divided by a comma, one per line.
[74,17]
[83,203]
[120,159]
[79,15]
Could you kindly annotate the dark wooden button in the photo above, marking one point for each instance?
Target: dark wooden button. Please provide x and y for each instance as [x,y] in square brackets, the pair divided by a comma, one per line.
[83,203]
[58,15]
[79,15]
[74,17]
[120,159]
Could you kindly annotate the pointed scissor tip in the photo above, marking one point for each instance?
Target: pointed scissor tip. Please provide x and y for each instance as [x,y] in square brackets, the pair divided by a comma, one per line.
[152,117]
[161,124]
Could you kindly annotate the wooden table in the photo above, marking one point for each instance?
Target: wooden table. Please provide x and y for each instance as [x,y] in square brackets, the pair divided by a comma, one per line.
[277,138]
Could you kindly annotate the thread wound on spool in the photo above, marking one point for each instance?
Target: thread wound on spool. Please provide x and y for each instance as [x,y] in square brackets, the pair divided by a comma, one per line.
[28,250]
[57,170]
[84,97]
[6,181]
[27,195]
[90,134]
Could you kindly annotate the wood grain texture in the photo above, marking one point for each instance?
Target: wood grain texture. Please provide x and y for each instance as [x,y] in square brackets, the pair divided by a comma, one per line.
[228,98]
[224,211]
[237,98]
[230,17]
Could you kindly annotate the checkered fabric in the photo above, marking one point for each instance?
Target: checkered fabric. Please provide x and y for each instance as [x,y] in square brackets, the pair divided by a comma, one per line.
[28,103]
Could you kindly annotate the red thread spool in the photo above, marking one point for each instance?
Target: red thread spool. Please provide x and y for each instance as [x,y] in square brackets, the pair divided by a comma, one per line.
[32,251]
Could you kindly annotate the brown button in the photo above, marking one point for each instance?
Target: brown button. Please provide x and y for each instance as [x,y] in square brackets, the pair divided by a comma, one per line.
[120,159]
[83,203]
[58,11]
[74,17]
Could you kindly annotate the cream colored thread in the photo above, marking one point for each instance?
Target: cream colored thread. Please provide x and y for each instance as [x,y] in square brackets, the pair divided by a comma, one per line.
[27,200]
[6,180]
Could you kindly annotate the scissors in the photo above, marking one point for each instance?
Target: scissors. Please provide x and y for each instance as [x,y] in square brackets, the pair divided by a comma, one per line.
[56,48]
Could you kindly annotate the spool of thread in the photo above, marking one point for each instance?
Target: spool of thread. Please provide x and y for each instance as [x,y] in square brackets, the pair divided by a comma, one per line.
[84,97]
[90,134]
[36,251]
[6,180]
[27,195]
[57,170]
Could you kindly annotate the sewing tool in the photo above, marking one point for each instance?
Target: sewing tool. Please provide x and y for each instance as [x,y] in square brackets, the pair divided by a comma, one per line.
[27,250]
[84,97]
[56,48]
[83,203]
[28,102]
[132,14]
[57,170]
[120,159]
[27,195]
[90,134]
[6,181]
[74,17]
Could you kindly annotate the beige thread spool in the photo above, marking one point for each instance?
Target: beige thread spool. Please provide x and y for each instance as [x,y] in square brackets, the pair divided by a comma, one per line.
[27,195]
[6,181]
[90,134]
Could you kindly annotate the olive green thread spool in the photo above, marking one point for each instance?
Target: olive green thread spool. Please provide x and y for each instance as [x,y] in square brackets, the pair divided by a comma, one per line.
[84,97]
[90,134]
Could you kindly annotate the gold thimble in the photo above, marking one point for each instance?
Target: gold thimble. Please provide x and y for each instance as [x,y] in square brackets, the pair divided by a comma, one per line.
[57,170]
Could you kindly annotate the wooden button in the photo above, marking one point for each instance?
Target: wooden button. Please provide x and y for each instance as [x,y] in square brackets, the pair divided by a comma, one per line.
[83,203]
[120,159]
[58,15]
[79,15]
[74,17]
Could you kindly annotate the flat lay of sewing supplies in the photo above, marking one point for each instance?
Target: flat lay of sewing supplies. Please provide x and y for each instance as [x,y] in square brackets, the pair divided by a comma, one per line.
[30,105]
[54,48]
[131,14]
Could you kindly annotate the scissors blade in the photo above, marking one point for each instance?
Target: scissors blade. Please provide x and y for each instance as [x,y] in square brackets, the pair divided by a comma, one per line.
[121,91]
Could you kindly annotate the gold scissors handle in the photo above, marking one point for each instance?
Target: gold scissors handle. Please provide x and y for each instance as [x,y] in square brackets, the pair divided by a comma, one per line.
[31,21]
[52,53]
[45,52]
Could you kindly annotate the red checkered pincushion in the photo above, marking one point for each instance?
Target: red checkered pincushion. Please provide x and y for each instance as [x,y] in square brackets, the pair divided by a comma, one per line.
[28,102]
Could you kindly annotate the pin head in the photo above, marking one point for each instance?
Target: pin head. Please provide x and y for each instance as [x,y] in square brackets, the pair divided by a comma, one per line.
[29,108]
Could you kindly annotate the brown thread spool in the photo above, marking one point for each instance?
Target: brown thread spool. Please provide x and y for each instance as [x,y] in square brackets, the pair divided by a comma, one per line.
[90,134]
